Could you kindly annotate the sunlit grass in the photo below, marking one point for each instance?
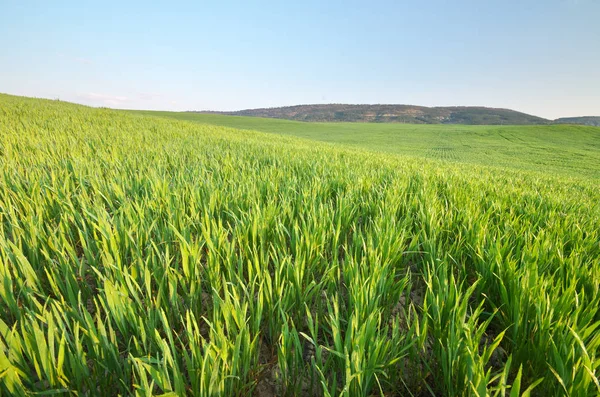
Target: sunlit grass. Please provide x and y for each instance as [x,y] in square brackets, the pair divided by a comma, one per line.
[565,150]
[146,256]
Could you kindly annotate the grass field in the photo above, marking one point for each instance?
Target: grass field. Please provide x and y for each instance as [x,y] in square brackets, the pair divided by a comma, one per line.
[150,256]
[568,150]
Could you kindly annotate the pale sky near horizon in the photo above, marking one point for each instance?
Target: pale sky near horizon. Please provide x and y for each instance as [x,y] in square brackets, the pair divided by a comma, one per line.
[539,57]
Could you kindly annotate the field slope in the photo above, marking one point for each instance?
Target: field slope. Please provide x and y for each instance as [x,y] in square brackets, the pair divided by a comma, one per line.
[568,150]
[150,256]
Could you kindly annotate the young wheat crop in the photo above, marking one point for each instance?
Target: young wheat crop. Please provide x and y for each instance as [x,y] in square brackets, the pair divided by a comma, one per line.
[141,256]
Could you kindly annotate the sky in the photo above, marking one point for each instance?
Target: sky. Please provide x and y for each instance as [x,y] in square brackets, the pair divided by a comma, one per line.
[537,56]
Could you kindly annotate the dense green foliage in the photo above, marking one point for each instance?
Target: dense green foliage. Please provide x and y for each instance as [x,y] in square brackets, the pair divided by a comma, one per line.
[475,115]
[568,150]
[146,256]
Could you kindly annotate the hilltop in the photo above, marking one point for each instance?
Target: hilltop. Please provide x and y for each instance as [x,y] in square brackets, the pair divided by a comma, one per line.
[586,120]
[409,114]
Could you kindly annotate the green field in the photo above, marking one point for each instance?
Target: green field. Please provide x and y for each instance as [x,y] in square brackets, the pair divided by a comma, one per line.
[568,150]
[151,256]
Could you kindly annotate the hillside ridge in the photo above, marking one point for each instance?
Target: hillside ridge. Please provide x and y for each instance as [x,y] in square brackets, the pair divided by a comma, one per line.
[409,114]
[381,113]
[584,120]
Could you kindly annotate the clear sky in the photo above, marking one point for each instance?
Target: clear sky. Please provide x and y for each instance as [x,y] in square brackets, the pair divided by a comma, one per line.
[537,56]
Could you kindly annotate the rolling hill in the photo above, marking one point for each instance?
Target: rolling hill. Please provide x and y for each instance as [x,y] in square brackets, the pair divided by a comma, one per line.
[407,114]
[586,120]
[395,114]
[572,150]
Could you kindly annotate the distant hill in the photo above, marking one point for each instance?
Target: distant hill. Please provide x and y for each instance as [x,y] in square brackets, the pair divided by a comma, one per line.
[395,114]
[587,120]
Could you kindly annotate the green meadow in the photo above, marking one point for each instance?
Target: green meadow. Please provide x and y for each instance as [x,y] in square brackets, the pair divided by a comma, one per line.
[567,150]
[182,254]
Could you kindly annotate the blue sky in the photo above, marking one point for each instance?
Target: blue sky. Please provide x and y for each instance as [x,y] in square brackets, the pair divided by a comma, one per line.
[540,57]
